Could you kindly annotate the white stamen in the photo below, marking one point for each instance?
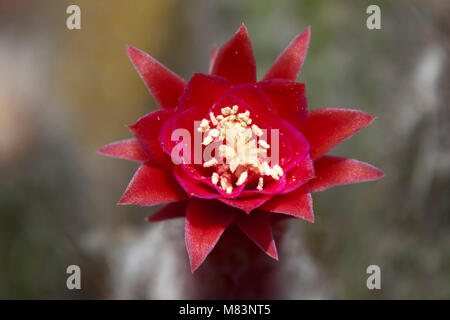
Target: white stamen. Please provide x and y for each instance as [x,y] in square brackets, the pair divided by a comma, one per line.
[214,133]
[260,184]
[215,178]
[226,111]
[210,163]
[243,152]
[257,131]
[263,144]
[207,140]
[242,178]
[213,119]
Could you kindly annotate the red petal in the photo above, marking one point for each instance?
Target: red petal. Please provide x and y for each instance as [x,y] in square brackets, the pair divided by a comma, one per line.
[151,186]
[170,211]
[298,203]
[235,60]
[247,204]
[213,58]
[325,128]
[288,98]
[147,129]
[165,86]
[290,61]
[206,220]
[333,171]
[192,187]
[202,91]
[126,149]
[299,175]
[257,227]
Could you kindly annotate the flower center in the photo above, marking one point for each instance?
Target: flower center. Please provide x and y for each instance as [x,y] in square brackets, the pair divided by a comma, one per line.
[242,146]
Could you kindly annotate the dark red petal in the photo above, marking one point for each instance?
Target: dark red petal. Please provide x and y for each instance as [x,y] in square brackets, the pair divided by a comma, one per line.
[290,61]
[334,171]
[235,60]
[129,149]
[298,203]
[325,128]
[151,186]
[202,91]
[192,187]
[271,187]
[213,58]
[288,99]
[171,211]
[254,96]
[257,227]
[147,129]
[182,120]
[165,86]
[206,220]
[247,204]
[299,175]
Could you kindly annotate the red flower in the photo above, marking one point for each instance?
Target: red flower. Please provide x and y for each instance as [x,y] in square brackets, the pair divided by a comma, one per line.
[249,193]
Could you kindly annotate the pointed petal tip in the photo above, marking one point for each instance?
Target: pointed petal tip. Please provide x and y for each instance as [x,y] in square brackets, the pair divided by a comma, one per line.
[132,50]
[289,63]
[273,252]
[242,29]
[378,173]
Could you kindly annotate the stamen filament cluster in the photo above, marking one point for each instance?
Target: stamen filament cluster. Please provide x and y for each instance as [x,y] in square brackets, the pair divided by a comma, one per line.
[241,145]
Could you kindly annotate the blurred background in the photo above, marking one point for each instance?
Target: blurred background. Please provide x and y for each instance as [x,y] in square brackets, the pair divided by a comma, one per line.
[64,93]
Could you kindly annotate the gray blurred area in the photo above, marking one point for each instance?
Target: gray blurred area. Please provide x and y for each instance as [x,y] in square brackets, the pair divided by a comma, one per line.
[63,94]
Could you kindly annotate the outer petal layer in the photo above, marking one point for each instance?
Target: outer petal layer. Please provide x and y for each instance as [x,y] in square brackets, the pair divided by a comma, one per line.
[334,171]
[290,61]
[129,149]
[299,175]
[151,186]
[235,60]
[247,204]
[325,128]
[257,227]
[205,223]
[288,98]
[165,86]
[202,91]
[147,129]
[298,203]
[171,211]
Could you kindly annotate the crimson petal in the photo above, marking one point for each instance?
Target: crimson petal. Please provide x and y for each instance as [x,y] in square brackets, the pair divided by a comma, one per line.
[193,188]
[165,86]
[129,149]
[205,223]
[170,211]
[290,61]
[326,127]
[150,186]
[299,175]
[247,204]
[298,203]
[147,130]
[235,60]
[333,171]
[257,227]
[202,91]
[288,98]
